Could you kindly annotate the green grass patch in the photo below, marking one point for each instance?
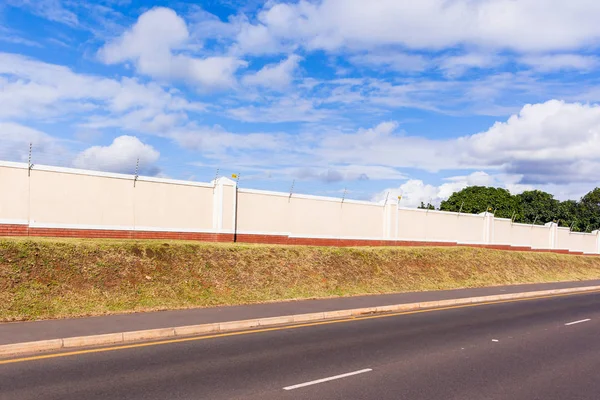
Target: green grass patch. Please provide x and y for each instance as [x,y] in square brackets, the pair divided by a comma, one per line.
[59,278]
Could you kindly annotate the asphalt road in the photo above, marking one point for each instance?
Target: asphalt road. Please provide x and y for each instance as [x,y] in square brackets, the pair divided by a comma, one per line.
[519,350]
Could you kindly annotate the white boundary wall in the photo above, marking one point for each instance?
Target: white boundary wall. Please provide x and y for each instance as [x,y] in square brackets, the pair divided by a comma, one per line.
[52,197]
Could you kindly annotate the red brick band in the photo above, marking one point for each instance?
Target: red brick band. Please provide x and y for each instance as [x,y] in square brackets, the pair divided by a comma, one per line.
[24,230]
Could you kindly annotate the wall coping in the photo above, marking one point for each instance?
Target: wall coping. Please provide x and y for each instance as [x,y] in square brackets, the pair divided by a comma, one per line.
[442,212]
[113,175]
[309,197]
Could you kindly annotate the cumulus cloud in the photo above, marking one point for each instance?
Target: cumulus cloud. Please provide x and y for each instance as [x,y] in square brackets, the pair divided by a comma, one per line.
[120,156]
[415,191]
[274,76]
[549,142]
[526,25]
[156,45]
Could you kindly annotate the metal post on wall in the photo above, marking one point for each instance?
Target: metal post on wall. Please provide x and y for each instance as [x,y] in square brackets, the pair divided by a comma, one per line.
[216,177]
[29,164]
[344,195]
[235,219]
[291,190]
[137,169]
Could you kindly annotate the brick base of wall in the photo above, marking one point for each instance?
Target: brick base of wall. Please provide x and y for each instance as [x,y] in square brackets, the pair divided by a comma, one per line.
[286,240]
[24,230]
[14,230]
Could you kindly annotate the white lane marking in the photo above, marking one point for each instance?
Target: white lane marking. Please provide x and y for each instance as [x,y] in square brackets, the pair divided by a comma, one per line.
[494,340]
[331,378]
[578,322]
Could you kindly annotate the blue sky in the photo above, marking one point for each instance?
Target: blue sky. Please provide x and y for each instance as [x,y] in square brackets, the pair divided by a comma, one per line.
[369,97]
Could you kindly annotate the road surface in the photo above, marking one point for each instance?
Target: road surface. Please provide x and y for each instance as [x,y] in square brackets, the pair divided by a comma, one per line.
[536,349]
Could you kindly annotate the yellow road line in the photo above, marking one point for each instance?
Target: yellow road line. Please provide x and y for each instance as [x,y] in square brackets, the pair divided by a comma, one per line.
[279,328]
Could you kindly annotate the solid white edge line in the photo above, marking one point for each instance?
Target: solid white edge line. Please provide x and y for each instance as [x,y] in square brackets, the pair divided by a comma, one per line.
[578,322]
[362,371]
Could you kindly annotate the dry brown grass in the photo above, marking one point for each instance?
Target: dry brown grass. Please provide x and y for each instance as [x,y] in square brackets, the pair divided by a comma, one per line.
[57,278]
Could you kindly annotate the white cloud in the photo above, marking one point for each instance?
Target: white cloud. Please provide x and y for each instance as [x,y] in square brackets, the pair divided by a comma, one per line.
[458,65]
[292,108]
[15,140]
[156,44]
[401,62]
[274,76]
[120,156]
[384,145]
[34,90]
[525,25]
[548,143]
[552,143]
[258,39]
[548,138]
[558,62]
[215,141]
[338,173]
[415,191]
[11,36]
[48,9]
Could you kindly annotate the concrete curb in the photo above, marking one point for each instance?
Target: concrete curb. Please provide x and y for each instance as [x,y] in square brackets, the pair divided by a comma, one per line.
[162,333]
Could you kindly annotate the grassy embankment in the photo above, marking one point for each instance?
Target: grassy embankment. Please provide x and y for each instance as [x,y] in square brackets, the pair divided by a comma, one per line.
[57,278]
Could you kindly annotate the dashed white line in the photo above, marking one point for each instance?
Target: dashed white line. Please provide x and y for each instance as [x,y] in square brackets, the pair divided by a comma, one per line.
[577,322]
[331,378]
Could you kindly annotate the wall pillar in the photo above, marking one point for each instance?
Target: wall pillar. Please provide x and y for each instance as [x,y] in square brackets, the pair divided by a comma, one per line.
[488,227]
[224,205]
[390,218]
[552,234]
[597,233]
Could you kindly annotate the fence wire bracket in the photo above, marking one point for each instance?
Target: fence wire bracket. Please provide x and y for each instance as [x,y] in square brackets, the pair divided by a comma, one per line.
[29,164]
[216,177]
[291,190]
[137,168]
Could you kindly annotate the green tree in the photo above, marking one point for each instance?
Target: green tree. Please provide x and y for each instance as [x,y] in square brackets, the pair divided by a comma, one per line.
[567,213]
[536,206]
[589,212]
[477,199]
[429,206]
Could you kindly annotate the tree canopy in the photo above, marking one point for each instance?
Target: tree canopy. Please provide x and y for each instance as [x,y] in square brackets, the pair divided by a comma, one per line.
[478,199]
[530,207]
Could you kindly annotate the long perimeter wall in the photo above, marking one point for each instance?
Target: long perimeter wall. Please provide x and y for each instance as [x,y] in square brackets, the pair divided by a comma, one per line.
[62,202]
